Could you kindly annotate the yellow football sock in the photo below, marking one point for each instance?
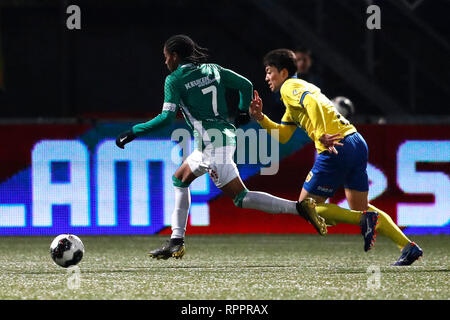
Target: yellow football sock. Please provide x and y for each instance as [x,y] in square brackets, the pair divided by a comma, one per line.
[334,214]
[388,228]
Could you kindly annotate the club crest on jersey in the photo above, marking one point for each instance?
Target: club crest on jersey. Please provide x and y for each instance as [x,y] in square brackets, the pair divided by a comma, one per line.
[309,176]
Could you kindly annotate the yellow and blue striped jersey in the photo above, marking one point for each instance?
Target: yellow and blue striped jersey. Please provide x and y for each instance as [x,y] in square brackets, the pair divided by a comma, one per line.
[309,109]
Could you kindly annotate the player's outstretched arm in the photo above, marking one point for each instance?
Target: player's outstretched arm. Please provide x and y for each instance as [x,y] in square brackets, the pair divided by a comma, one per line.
[163,119]
[283,132]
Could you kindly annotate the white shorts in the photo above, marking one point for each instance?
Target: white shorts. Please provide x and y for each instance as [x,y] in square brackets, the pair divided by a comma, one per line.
[218,162]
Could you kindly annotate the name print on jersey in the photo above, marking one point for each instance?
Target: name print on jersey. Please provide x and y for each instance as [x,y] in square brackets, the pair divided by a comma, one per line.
[201,82]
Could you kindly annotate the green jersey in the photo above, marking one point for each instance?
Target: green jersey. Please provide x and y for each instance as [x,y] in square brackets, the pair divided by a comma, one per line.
[199,91]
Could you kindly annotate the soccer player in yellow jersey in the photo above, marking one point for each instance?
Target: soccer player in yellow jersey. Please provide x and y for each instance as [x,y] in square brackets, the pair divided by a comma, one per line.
[342,153]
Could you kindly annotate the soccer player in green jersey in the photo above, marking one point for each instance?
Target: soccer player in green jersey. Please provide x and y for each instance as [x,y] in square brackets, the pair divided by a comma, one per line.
[198,90]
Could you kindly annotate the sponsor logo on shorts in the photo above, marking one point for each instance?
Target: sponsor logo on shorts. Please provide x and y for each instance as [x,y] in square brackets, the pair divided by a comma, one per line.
[213,174]
[325,188]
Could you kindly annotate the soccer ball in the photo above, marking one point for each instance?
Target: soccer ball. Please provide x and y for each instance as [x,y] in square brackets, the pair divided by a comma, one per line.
[66,250]
[344,106]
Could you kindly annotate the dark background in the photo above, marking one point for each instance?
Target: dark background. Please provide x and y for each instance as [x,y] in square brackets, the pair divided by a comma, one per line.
[113,67]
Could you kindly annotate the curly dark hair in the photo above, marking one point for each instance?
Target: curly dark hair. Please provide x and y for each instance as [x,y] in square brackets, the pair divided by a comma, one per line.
[186,49]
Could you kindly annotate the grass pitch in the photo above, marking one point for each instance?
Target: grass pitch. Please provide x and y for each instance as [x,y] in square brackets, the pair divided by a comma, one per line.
[250,267]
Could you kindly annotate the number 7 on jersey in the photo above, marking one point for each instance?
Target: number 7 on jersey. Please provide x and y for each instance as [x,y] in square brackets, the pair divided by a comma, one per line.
[213,90]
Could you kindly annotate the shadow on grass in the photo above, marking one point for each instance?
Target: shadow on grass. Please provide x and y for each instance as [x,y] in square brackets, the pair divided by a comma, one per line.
[394,269]
[134,269]
[151,268]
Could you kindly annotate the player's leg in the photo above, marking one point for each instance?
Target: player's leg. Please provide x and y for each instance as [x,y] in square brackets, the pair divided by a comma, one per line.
[263,201]
[410,251]
[332,213]
[183,177]
[356,191]
[367,216]
[347,168]
[358,200]
[330,172]
[226,177]
[244,198]
[386,226]
[326,176]
[305,194]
